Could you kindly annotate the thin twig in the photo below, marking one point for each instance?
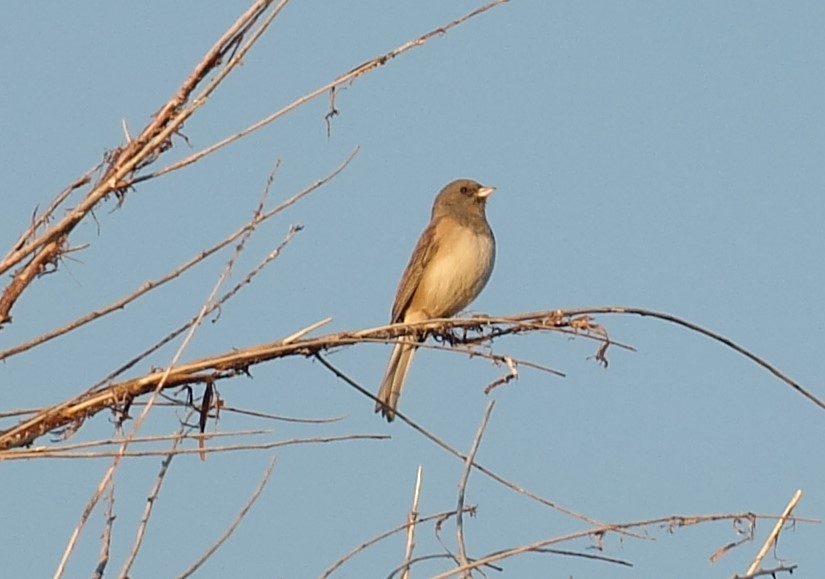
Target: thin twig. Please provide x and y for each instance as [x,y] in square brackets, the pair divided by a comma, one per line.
[141,419]
[150,502]
[342,80]
[598,532]
[411,523]
[213,306]
[196,436]
[713,335]
[501,480]
[292,419]
[462,487]
[258,218]
[774,536]
[222,539]
[46,216]
[562,552]
[385,535]
[106,538]
[26,455]
[153,140]
[108,479]
[283,206]
[307,330]
[769,572]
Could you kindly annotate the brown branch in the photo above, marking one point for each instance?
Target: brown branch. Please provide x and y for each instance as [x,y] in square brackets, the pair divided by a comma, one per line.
[209,309]
[348,78]
[200,372]
[35,268]
[46,216]
[258,218]
[138,423]
[154,140]
[238,362]
[246,281]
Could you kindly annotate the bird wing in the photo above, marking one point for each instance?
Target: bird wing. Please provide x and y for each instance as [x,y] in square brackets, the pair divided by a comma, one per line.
[424,251]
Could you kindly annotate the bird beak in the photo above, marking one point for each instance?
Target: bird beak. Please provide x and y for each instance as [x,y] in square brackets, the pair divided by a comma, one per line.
[485,192]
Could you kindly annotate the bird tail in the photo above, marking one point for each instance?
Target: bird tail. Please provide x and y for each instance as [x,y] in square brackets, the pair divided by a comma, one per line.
[394,379]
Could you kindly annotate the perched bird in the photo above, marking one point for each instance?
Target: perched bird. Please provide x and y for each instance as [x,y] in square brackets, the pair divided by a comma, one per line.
[448,269]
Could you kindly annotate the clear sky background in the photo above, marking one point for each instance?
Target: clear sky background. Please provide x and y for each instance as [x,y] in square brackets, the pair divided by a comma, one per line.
[669,156]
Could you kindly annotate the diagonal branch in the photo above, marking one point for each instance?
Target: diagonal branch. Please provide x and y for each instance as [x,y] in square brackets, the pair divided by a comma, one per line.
[259,217]
[154,140]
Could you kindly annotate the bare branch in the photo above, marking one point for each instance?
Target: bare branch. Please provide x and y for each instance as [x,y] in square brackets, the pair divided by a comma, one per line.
[46,453]
[411,520]
[154,140]
[713,335]
[106,538]
[344,79]
[217,545]
[774,536]
[501,480]
[542,546]
[364,546]
[769,572]
[238,362]
[151,500]
[462,487]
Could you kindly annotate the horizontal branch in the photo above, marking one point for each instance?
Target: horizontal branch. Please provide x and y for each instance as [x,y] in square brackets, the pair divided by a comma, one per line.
[669,523]
[208,370]
[233,448]
[468,331]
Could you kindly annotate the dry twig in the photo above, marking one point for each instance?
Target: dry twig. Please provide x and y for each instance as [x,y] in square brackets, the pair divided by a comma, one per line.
[123,163]
[462,487]
[774,536]
[385,535]
[499,479]
[237,363]
[234,525]
[411,521]
[595,533]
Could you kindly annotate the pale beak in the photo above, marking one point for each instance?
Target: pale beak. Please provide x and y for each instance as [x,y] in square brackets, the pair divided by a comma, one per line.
[485,192]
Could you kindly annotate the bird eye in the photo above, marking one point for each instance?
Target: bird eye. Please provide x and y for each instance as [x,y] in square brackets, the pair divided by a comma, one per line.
[465,190]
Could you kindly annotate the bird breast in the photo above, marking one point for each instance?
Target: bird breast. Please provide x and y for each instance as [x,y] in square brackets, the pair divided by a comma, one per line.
[456,275]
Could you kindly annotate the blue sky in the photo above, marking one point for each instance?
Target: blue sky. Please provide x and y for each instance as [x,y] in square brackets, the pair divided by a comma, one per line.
[666,156]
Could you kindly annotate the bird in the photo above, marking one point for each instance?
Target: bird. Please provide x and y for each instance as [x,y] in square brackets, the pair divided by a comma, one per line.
[449,267]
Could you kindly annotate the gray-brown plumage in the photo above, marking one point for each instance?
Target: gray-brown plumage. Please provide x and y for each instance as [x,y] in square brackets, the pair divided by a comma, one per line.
[448,269]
